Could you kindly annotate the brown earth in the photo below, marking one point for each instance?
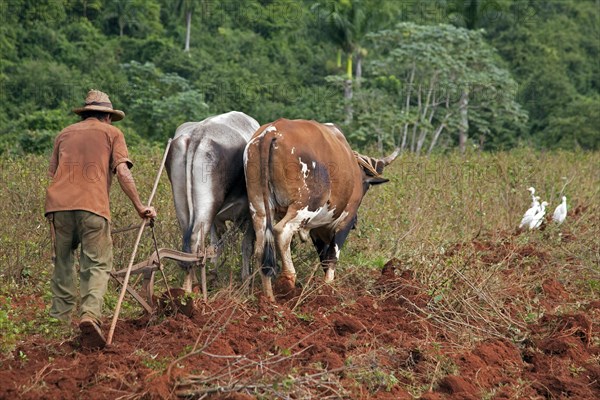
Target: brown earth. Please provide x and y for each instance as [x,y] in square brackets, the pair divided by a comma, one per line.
[350,340]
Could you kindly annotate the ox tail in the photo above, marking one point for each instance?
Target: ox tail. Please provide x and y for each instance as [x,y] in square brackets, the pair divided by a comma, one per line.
[269,260]
[189,229]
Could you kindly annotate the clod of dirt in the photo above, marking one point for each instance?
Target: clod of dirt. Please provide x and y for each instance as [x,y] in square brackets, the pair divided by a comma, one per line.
[328,358]
[557,346]
[176,300]
[390,267]
[576,213]
[554,290]
[578,325]
[550,386]
[404,289]
[592,305]
[346,325]
[453,384]
[498,352]
[490,363]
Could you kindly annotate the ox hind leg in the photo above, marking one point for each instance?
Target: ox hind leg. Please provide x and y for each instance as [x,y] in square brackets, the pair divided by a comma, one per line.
[197,240]
[284,232]
[259,222]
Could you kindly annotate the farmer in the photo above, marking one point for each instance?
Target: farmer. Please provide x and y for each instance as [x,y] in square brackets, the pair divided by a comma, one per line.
[85,157]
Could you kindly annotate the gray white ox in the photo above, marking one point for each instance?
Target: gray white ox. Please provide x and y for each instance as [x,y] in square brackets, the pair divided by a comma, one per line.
[304,176]
[205,167]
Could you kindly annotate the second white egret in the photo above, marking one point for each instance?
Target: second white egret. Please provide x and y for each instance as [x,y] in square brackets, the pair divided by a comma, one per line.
[560,213]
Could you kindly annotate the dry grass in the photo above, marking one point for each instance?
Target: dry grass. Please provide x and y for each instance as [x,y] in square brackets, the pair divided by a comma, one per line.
[429,205]
[450,219]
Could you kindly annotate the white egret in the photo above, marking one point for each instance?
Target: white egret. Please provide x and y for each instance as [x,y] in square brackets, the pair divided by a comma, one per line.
[528,216]
[560,213]
[534,209]
[532,191]
[536,220]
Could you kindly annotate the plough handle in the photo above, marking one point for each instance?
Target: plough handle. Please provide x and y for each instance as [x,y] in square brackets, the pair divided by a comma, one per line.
[135,247]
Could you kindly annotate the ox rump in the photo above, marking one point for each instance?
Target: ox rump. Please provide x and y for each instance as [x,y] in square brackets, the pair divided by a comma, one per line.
[302,176]
[205,168]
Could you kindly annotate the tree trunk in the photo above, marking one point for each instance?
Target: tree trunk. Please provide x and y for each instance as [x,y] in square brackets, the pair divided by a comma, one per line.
[436,135]
[349,67]
[413,142]
[348,91]
[348,101]
[338,61]
[414,134]
[424,117]
[404,134]
[379,136]
[358,68]
[463,128]
[188,19]
[407,106]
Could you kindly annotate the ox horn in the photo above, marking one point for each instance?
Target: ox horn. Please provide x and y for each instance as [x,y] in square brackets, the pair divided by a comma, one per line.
[388,160]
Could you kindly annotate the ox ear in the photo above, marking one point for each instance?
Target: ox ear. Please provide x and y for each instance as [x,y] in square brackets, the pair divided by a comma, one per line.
[376,180]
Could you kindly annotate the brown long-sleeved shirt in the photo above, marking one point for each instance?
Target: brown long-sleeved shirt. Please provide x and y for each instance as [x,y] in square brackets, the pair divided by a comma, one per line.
[85,157]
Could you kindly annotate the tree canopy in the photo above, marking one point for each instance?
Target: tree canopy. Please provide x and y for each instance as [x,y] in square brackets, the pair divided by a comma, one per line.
[491,74]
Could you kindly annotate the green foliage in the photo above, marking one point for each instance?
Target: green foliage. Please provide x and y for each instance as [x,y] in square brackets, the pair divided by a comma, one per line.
[135,17]
[428,71]
[10,330]
[278,59]
[576,125]
[552,49]
[160,102]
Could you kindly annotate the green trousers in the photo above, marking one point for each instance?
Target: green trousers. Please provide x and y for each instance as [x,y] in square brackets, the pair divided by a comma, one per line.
[92,232]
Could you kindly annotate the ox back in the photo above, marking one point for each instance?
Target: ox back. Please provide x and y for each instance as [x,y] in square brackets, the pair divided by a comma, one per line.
[205,167]
[302,176]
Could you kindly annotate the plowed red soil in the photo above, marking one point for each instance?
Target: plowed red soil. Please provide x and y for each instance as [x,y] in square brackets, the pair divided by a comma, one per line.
[352,340]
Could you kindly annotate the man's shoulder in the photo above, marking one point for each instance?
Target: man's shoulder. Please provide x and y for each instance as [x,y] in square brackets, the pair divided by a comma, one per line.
[74,126]
[112,129]
[93,123]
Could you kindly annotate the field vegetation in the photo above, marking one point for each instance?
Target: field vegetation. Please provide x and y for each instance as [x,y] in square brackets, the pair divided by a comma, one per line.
[435,272]
[437,294]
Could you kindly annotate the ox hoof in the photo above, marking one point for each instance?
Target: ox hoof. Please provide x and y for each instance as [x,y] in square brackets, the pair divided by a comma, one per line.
[286,288]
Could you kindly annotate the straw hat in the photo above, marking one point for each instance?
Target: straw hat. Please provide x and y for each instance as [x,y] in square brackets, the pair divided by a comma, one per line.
[99,101]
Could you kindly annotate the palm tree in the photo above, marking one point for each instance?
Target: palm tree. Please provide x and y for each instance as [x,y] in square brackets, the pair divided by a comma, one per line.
[121,10]
[347,22]
[85,5]
[187,8]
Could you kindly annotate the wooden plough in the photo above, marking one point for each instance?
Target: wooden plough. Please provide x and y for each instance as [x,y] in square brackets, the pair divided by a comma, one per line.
[149,267]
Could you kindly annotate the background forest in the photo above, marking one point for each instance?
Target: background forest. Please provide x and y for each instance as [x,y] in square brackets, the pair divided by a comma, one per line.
[427,75]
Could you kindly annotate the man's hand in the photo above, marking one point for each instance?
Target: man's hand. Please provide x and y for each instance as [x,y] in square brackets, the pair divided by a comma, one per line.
[147,212]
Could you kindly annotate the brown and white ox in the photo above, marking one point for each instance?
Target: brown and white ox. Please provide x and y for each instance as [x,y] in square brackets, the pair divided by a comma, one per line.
[206,170]
[302,176]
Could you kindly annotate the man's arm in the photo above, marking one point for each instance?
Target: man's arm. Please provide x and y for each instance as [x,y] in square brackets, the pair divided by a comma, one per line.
[128,185]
